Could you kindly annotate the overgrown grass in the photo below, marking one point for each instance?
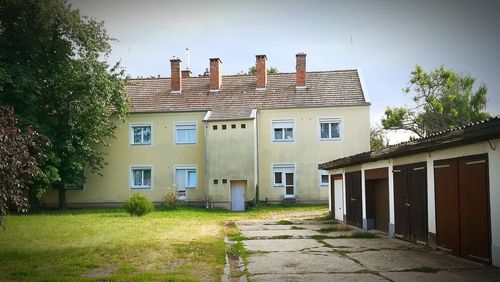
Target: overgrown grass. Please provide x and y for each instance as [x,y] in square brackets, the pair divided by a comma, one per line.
[294,227]
[284,222]
[107,244]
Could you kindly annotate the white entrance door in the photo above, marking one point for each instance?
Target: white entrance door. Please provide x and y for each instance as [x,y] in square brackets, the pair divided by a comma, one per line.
[237,196]
[289,187]
[339,200]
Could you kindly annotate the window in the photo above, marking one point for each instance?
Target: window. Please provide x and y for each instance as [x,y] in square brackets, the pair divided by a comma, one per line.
[216,181]
[324,178]
[224,127]
[185,132]
[185,178]
[77,184]
[243,125]
[140,178]
[280,174]
[283,130]
[215,127]
[140,134]
[233,125]
[224,181]
[329,129]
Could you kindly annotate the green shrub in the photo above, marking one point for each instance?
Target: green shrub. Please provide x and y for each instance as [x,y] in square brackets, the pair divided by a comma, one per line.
[138,205]
[170,198]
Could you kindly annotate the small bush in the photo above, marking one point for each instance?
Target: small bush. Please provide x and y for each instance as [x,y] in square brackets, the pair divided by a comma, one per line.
[170,198]
[138,205]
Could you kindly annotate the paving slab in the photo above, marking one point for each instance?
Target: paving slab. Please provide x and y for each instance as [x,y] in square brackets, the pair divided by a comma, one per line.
[250,234]
[283,245]
[300,262]
[266,227]
[318,277]
[361,244]
[396,260]
[484,274]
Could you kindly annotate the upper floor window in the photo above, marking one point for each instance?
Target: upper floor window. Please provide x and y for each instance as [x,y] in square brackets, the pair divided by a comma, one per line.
[141,177]
[140,134]
[330,129]
[283,130]
[185,132]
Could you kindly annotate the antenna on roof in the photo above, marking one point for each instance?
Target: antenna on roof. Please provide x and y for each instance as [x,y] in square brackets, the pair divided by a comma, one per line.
[187,54]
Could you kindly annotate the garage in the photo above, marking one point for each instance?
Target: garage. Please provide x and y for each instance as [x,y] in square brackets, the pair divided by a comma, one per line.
[354,199]
[462,207]
[410,202]
[377,199]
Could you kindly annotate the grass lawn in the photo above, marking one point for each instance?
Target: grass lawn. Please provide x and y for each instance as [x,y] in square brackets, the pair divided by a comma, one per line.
[108,245]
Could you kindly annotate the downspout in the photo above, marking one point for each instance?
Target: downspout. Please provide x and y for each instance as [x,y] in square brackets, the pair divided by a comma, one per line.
[205,120]
[257,180]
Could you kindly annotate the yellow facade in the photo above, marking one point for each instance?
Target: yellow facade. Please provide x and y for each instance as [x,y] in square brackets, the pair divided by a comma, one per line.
[225,155]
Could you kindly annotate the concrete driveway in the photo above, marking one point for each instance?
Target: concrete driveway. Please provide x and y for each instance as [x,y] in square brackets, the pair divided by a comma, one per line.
[320,250]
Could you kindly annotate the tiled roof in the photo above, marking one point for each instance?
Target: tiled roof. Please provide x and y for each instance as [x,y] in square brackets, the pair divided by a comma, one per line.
[467,134]
[238,96]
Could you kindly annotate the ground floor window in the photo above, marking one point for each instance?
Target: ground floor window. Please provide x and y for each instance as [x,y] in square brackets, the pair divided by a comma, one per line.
[185,178]
[140,177]
[324,178]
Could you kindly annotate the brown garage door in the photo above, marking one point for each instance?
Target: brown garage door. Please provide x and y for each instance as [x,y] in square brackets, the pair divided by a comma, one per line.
[410,202]
[354,203]
[462,207]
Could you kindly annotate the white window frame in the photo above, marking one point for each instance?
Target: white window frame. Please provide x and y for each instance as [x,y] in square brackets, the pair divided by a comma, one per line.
[321,183]
[284,124]
[330,120]
[186,123]
[283,168]
[131,133]
[187,168]
[131,177]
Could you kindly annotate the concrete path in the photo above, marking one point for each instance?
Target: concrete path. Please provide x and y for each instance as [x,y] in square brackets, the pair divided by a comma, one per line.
[305,249]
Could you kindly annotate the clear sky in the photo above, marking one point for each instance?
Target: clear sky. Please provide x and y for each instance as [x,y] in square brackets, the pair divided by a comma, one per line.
[384,39]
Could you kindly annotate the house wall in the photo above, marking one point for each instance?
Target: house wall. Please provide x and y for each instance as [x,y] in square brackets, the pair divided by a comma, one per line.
[493,152]
[307,151]
[113,187]
[231,156]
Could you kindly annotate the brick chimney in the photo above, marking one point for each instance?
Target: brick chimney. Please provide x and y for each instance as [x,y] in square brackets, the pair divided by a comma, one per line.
[215,74]
[261,71]
[186,73]
[175,76]
[300,70]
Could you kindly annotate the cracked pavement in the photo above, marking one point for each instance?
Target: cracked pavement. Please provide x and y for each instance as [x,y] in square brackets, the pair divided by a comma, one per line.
[310,249]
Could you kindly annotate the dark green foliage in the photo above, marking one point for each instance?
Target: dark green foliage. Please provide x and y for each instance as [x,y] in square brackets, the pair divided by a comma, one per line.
[253,70]
[138,205]
[53,72]
[443,100]
[21,152]
[377,138]
[284,222]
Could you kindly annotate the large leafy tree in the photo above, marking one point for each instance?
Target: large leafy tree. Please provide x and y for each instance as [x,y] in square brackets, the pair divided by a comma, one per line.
[443,100]
[53,71]
[22,152]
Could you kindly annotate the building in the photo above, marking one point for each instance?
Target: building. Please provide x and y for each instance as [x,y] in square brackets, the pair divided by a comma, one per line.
[221,140]
[442,190]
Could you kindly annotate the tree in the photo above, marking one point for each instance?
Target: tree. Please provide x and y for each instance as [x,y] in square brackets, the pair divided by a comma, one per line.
[21,154]
[377,138]
[253,70]
[53,72]
[443,100]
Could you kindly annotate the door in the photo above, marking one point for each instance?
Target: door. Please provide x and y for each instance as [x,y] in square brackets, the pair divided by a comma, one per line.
[289,185]
[237,195]
[338,198]
[474,206]
[353,199]
[410,202]
[462,207]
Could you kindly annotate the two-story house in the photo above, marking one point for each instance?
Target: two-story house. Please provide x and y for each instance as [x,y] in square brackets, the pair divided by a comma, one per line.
[223,140]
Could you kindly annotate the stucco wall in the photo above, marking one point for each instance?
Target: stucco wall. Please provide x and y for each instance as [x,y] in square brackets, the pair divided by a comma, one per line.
[163,155]
[231,156]
[307,151]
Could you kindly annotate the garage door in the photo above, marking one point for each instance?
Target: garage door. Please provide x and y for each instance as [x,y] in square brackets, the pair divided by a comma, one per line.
[462,209]
[354,211]
[410,202]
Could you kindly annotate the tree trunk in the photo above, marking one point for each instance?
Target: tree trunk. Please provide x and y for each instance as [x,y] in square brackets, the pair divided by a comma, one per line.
[62,198]
[33,200]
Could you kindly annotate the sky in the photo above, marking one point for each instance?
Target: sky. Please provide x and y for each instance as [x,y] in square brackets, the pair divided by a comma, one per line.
[384,39]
